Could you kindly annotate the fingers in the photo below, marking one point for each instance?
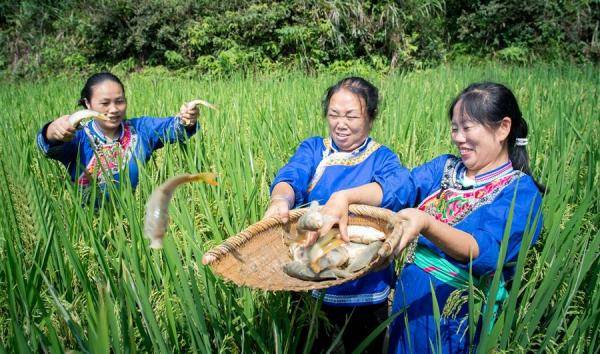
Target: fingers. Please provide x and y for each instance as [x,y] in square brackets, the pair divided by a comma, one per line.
[343,225]
[269,213]
[190,111]
[284,214]
[390,245]
[188,115]
[401,245]
[279,210]
[327,225]
[65,134]
[61,130]
[336,212]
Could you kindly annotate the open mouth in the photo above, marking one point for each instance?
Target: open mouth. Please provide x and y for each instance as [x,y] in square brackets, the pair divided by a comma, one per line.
[465,151]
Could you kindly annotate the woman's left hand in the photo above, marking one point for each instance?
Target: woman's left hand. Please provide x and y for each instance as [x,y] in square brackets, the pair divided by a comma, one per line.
[414,222]
[188,115]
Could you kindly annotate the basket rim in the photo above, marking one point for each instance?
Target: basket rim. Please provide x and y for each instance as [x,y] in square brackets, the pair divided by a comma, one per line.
[220,256]
[215,254]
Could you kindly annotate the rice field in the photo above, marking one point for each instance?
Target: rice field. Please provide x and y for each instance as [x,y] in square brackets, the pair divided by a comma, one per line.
[75,279]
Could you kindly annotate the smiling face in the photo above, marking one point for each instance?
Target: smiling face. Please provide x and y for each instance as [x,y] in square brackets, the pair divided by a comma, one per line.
[348,122]
[481,148]
[108,98]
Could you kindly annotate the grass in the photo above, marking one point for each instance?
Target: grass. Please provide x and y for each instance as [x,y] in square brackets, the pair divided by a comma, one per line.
[73,279]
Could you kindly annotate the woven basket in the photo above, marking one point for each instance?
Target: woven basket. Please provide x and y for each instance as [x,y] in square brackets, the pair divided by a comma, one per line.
[255,257]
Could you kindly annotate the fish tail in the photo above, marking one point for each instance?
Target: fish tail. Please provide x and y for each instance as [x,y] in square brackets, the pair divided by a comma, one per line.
[206,177]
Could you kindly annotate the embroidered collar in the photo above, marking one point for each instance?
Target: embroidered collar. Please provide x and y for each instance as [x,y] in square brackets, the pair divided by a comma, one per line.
[482,178]
[98,136]
[332,148]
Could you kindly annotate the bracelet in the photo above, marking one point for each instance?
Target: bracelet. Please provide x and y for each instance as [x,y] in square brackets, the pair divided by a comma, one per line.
[285,197]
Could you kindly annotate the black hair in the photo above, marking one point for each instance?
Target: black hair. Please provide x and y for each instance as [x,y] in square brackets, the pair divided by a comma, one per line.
[488,103]
[358,86]
[98,78]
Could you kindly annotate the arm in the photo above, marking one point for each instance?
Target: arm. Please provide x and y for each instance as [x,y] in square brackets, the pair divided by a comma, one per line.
[171,129]
[482,234]
[394,187]
[60,130]
[456,243]
[58,140]
[338,203]
[397,185]
[298,171]
[289,187]
[282,199]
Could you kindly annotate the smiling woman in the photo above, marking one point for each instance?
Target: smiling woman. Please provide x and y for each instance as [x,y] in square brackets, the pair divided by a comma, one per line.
[349,121]
[347,158]
[461,213]
[98,151]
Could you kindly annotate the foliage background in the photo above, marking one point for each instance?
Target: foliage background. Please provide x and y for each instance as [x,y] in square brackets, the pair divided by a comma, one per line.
[72,279]
[45,37]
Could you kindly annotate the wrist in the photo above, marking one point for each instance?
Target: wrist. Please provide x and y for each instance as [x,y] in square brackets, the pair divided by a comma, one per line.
[343,197]
[186,123]
[427,221]
[288,199]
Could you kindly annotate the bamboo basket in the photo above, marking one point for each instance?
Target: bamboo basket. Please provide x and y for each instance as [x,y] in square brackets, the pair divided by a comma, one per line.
[255,257]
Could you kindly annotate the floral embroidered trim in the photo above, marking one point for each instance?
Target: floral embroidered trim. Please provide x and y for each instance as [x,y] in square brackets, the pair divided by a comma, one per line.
[336,158]
[451,204]
[109,158]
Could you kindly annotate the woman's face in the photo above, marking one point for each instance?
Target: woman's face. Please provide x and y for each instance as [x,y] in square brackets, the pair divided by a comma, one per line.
[108,98]
[349,125]
[481,148]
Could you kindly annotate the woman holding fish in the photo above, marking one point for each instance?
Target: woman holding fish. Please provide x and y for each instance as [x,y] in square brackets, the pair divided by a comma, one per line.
[347,158]
[101,148]
[464,207]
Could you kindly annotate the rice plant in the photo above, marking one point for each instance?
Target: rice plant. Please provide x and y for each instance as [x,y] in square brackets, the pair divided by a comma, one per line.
[76,279]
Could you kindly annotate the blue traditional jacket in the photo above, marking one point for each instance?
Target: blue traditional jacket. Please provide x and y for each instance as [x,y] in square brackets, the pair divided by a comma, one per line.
[91,156]
[318,169]
[479,207]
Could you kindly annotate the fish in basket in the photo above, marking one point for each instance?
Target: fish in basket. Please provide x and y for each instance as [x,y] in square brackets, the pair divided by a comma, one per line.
[271,255]
[329,257]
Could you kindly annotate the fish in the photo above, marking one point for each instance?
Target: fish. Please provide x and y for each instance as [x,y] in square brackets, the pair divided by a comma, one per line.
[329,257]
[79,118]
[196,102]
[156,220]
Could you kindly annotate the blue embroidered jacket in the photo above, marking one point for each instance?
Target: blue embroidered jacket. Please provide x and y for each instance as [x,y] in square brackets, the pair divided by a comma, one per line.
[90,155]
[318,169]
[480,207]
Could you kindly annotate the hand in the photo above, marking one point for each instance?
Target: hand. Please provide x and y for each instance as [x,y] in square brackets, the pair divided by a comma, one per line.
[335,211]
[279,207]
[408,225]
[60,130]
[188,115]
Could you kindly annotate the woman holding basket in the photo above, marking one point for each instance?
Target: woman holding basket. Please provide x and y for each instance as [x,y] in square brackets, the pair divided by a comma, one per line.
[464,205]
[345,159]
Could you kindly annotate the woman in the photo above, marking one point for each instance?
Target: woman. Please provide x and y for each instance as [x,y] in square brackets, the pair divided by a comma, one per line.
[104,148]
[463,207]
[347,158]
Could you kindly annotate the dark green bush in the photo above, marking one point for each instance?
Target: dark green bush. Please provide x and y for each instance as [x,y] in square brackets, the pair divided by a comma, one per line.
[522,29]
[219,37]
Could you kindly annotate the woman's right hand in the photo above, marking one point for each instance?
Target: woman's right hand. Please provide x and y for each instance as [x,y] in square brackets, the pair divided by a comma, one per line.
[60,130]
[339,202]
[279,207]
[336,212]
